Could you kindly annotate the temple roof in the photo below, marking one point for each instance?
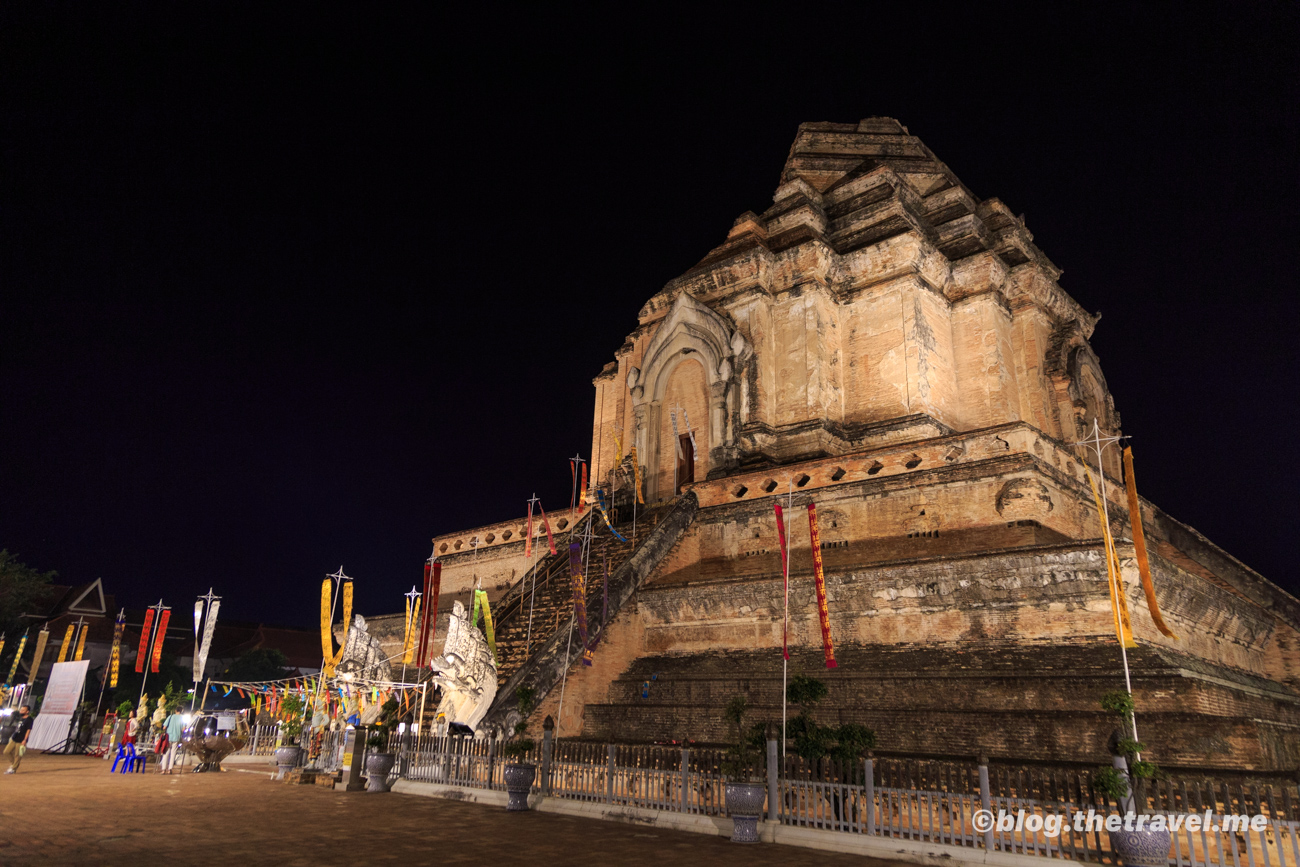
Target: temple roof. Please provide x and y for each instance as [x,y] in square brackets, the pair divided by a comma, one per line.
[826,155]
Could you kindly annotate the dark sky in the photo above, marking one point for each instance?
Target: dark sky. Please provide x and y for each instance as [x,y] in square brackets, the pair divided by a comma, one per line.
[280,292]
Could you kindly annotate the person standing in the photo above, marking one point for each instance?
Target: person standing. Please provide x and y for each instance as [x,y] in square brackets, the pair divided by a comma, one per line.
[18,740]
[174,731]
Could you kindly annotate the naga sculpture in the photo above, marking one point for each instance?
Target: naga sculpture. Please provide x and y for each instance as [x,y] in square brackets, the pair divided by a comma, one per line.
[466,672]
[363,658]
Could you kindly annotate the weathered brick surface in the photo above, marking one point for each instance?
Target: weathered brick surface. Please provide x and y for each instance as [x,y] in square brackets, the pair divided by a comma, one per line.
[885,343]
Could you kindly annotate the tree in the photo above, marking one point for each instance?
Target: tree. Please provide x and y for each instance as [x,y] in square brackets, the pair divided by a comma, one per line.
[20,587]
[263,663]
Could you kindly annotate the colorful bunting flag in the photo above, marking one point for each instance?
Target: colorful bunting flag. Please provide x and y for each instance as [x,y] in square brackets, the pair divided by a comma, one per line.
[600,507]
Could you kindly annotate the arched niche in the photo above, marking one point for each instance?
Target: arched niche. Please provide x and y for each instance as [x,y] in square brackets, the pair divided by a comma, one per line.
[691,331]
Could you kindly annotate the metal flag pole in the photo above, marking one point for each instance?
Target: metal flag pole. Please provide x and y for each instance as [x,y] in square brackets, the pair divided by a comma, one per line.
[573,622]
[103,683]
[532,596]
[338,578]
[1097,442]
[785,624]
[577,472]
[148,663]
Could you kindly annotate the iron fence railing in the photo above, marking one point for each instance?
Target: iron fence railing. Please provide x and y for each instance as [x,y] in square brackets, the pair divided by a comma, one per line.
[1043,812]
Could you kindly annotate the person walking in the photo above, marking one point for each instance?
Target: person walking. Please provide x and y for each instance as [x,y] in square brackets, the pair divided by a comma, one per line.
[173,730]
[17,745]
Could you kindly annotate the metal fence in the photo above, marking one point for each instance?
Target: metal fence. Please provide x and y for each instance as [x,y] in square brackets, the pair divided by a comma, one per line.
[1048,813]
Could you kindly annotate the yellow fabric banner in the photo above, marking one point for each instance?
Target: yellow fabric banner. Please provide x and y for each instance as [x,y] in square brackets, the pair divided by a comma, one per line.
[326,641]
[1115,578]
[412,620]
[67,643]
[42,638]
[487,624]
[1140,545]
[636,476]
[347,624]
[81,643]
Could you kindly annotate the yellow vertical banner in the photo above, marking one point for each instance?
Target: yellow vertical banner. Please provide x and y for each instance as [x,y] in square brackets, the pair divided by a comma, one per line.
[67,643]
[81,643]
[636,476]
[487,624]
[347,623]
[42,638]
[1115,578]
[326,641]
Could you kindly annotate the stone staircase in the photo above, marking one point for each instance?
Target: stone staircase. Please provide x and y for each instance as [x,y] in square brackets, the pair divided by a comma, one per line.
[540,663]
[544,595]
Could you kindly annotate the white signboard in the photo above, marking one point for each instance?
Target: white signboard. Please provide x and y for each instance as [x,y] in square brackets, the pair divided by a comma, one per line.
[62,695]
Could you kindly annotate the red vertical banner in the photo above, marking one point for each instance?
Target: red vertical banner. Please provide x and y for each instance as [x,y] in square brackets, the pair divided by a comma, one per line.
[431,608]
[143,653]
[550,540]
[156,656]
[828,647]
[582,491]
[785,577]
[423,640]
[528,533]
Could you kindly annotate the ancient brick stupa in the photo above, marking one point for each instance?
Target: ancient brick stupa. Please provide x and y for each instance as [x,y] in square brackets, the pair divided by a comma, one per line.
[883,341]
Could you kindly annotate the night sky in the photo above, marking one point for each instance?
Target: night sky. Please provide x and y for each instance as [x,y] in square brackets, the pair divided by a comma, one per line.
[280,292]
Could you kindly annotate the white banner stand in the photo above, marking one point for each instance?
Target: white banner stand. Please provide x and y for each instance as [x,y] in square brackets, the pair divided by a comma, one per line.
[62,695]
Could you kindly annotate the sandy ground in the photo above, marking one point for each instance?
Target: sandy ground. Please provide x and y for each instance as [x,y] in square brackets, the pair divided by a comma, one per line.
[70,810]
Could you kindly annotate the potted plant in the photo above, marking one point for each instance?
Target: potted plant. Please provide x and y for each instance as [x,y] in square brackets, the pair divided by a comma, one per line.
[380,762]
[519,775]
[1124,783]
[291,711]
[745,790]
[847,743]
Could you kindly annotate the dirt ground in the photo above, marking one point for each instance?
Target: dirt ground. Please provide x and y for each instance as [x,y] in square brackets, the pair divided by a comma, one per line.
[70,810]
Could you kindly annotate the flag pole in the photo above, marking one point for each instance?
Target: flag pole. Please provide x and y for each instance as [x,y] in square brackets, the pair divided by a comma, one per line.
[1098,442]
[148,663]
[785,627]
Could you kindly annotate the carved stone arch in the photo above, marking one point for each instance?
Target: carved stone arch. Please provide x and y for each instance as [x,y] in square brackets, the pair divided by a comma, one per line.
[1089,393]
[690,326]
[690,330]
[1080,386]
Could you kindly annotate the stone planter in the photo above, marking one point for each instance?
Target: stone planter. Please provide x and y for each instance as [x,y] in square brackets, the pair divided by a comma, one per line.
[378,767]
[286,759]
[1143,848]
[519,782]
[745,806]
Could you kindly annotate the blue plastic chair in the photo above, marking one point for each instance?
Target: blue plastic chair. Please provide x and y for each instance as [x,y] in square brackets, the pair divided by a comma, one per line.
[125,757]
